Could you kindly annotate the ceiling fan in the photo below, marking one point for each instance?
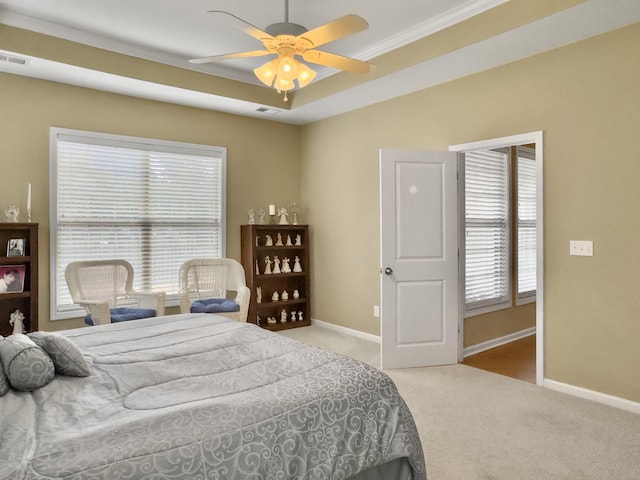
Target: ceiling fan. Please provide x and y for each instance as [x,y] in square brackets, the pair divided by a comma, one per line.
[287,40]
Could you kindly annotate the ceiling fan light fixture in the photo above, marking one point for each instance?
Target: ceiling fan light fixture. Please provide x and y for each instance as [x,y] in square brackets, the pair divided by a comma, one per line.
[267,72]
[305,75]
[283,85]
[289,40]
[288,68]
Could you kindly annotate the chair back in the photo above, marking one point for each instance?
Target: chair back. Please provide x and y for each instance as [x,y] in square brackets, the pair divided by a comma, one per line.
[211,277]
[99,280]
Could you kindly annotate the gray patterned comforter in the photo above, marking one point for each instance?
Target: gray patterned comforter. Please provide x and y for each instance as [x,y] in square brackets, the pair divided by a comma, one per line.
[202,397]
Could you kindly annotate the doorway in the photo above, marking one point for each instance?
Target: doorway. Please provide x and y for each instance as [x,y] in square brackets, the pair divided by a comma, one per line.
[492,358]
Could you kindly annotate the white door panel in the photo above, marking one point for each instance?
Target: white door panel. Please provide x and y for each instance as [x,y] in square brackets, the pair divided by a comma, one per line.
[419,258]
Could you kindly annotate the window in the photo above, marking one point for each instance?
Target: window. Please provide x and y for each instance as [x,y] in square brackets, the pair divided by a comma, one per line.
[489,281]
[526,225]
[153,203]
[487,230]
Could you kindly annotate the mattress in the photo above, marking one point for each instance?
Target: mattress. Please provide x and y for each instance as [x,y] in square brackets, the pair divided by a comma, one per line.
[199,396]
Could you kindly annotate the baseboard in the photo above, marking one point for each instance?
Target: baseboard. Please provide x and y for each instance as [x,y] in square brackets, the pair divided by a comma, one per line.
[347,331]
[496,342]
[580,392]
[617,402]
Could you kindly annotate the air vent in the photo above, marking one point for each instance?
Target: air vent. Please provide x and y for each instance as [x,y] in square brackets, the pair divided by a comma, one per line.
[4,57]
[268,111]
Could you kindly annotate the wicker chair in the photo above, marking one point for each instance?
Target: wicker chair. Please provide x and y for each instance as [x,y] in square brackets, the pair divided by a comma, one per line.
[212,284]
[105,289]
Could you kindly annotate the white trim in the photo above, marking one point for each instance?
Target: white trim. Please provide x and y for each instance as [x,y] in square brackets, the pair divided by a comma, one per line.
[606,399]
[431,26]
[346,331]
[497,342]
[531,137]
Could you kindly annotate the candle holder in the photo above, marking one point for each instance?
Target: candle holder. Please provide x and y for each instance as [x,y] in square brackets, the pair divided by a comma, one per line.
[295,211]
[272,214]
[29,215]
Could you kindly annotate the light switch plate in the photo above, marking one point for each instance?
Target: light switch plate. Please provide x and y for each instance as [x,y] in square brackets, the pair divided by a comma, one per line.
[582,248]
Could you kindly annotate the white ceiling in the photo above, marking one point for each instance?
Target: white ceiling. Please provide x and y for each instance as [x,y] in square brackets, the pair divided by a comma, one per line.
[171,32]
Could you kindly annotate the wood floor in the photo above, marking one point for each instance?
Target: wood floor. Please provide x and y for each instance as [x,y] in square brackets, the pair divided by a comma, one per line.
[516,359]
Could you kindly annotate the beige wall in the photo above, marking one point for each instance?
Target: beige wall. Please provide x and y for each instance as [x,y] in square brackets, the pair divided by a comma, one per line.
[585,99]
[261,167]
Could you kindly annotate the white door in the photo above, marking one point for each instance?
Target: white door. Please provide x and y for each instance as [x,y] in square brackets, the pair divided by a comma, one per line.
[419,258]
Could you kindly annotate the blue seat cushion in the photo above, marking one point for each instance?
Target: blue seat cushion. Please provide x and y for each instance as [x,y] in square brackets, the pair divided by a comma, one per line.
[214,305]
[124,314]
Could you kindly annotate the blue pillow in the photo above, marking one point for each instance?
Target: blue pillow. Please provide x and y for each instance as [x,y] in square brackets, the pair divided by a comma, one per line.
[124,314]
[214,305]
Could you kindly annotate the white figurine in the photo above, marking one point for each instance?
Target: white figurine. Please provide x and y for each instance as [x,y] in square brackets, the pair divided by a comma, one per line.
[285,295]
[300,316]
[252,216]
[259,295]
[293,316]
[276,265]
[12,212]
[298,240]
[261,216]
[283,316]
[257,267]
[267,265]
[296,294]
[285,265]
[289,243]
[17,320]
[283,216]
[271,320]
[279,241]
[296,265]
[269,241]
[275,297]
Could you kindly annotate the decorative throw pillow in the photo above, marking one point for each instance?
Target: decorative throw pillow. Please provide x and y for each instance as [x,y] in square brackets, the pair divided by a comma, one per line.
[26,365]
[67,357]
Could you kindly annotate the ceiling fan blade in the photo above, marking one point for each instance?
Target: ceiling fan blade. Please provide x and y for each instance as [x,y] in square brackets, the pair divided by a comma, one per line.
[337,61]
[329,32]
[246,27]
[215,58]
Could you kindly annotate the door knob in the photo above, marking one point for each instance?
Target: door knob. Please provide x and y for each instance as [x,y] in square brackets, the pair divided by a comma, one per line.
[388,271]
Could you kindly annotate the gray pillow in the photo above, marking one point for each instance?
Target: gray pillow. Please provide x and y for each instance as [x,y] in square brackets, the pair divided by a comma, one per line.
[4,383]
[67,357]
[26,365]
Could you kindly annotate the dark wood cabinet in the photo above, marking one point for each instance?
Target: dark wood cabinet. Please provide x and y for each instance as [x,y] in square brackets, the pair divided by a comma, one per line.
[23,257]
[257,254]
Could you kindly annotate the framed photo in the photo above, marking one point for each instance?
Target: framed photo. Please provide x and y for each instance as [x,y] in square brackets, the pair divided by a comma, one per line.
[15,247]
[11,278]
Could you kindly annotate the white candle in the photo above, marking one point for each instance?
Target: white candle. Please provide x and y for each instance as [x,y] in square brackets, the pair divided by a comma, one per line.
[29,197]
[272,209]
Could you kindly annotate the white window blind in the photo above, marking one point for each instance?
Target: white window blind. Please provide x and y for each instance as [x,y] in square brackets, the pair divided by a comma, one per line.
[487,227]
[526,224]
[152,203]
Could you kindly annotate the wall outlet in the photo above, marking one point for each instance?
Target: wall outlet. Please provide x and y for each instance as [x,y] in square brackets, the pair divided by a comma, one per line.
[376,311]
[582,248]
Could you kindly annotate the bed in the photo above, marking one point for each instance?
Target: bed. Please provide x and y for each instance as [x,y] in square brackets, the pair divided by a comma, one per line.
[198,396]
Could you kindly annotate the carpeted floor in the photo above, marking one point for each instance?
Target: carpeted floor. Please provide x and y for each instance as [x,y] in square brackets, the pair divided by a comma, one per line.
[476,425]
